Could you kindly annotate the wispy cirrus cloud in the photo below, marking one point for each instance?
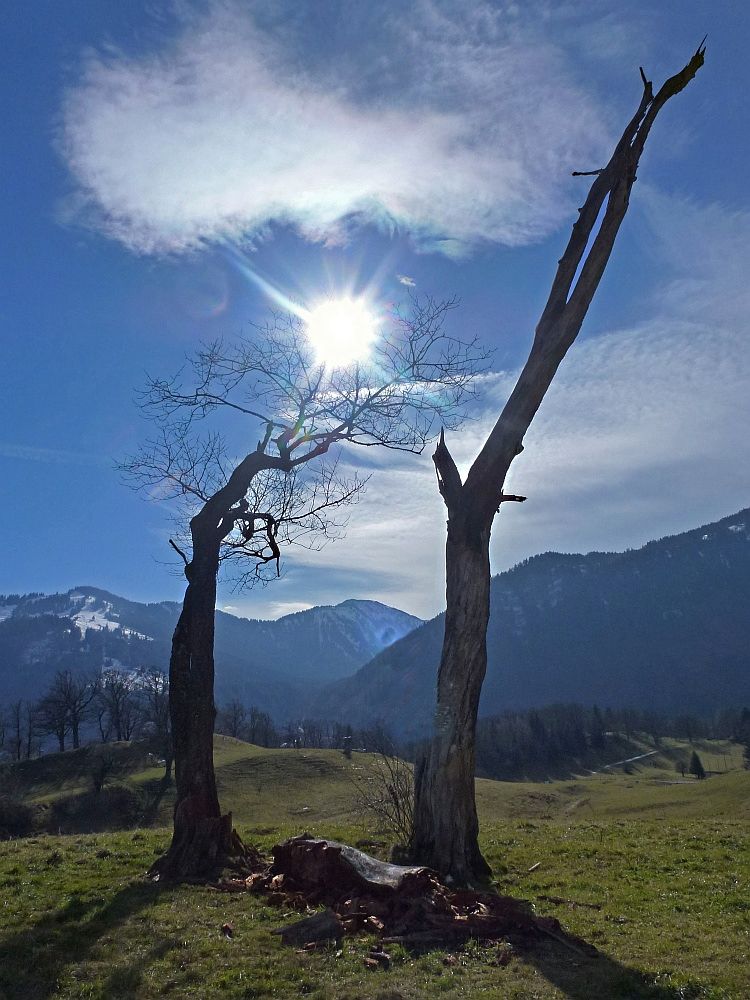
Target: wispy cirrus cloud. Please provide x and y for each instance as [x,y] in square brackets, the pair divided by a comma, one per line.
[55,456]
[455,123]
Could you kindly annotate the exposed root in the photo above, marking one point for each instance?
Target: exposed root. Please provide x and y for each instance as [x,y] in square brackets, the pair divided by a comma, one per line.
[204,849]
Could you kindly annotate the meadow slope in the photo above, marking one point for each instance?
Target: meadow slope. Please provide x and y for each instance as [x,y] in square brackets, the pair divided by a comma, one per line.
[654,874]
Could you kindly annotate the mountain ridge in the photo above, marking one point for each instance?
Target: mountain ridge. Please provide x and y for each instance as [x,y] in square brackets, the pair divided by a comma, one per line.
[665,624]
[270,663]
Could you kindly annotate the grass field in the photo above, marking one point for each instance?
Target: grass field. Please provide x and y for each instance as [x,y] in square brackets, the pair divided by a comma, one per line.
[656,875]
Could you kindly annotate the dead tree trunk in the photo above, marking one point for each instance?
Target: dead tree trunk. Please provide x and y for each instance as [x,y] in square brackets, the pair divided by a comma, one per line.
[445,817]
[445,777]
[202,837]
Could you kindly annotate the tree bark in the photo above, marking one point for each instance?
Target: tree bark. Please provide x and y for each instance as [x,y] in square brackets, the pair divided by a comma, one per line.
[445,816]
[202,837]
[446,823]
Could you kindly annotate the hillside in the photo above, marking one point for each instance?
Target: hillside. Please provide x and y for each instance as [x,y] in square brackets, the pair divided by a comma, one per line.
[662,627]
[318,787]
[273,664]
[633,863]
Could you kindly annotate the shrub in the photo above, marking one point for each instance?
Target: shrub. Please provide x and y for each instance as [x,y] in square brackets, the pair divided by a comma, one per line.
[385,791]
[114,807]
[16,817]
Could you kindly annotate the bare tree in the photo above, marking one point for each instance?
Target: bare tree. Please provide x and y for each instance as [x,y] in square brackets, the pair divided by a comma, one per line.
[384,790]
[232,720]
[53,719]
[31,726]
[117,704]
[154,687]
[446,825]
[21,730]
[260,728]
[66,705]
[417,378]
[103,721]
[76,694]
[15,736]
[314,732]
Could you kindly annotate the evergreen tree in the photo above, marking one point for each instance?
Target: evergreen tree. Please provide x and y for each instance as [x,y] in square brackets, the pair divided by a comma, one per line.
[696,766]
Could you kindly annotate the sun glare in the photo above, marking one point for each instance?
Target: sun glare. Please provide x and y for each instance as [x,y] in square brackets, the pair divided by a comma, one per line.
[341,331]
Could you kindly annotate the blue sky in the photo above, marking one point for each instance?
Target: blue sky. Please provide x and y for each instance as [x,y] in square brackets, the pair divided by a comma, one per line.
[345,143]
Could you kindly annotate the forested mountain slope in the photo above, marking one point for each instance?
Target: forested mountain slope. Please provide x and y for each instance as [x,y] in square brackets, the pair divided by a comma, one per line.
[666,626]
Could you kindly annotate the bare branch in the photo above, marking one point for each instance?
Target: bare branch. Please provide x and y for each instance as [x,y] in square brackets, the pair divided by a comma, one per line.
[179,551]
[384,789]
[583,261]
[419,378]
[508,497]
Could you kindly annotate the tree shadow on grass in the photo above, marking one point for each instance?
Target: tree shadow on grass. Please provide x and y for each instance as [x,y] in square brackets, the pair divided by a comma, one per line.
[577,969]
[156,790]
[124,980]
[582,976]
[33,960]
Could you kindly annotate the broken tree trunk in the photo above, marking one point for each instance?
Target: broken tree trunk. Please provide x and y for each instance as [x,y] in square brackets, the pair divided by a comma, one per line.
[445,818]
[313,865]
[448,835]
[403,904]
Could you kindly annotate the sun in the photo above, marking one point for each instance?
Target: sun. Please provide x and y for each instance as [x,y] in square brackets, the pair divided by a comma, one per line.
[341,331]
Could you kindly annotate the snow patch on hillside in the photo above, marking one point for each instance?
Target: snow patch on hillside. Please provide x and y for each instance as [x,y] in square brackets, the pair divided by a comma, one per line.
[87,612]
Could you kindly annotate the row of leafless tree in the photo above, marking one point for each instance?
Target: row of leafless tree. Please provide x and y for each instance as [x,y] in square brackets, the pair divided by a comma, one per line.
[253,725]
[115,705]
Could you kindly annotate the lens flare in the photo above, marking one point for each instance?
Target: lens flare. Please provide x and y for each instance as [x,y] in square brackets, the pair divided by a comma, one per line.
[341,331]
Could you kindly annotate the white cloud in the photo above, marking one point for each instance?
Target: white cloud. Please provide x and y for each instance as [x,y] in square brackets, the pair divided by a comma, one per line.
[643,433]
[57,456]
[404,279]
[457,123]
[277,609]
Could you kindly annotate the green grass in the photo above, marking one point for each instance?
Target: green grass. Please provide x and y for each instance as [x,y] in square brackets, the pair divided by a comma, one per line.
[79,921]
[317,786]
[668,867]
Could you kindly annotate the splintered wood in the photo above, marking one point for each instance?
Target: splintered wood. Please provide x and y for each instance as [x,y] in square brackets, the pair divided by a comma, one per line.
[408,905]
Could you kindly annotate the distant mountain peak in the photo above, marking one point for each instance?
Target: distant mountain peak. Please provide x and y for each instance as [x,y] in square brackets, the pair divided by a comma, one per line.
[272,664]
